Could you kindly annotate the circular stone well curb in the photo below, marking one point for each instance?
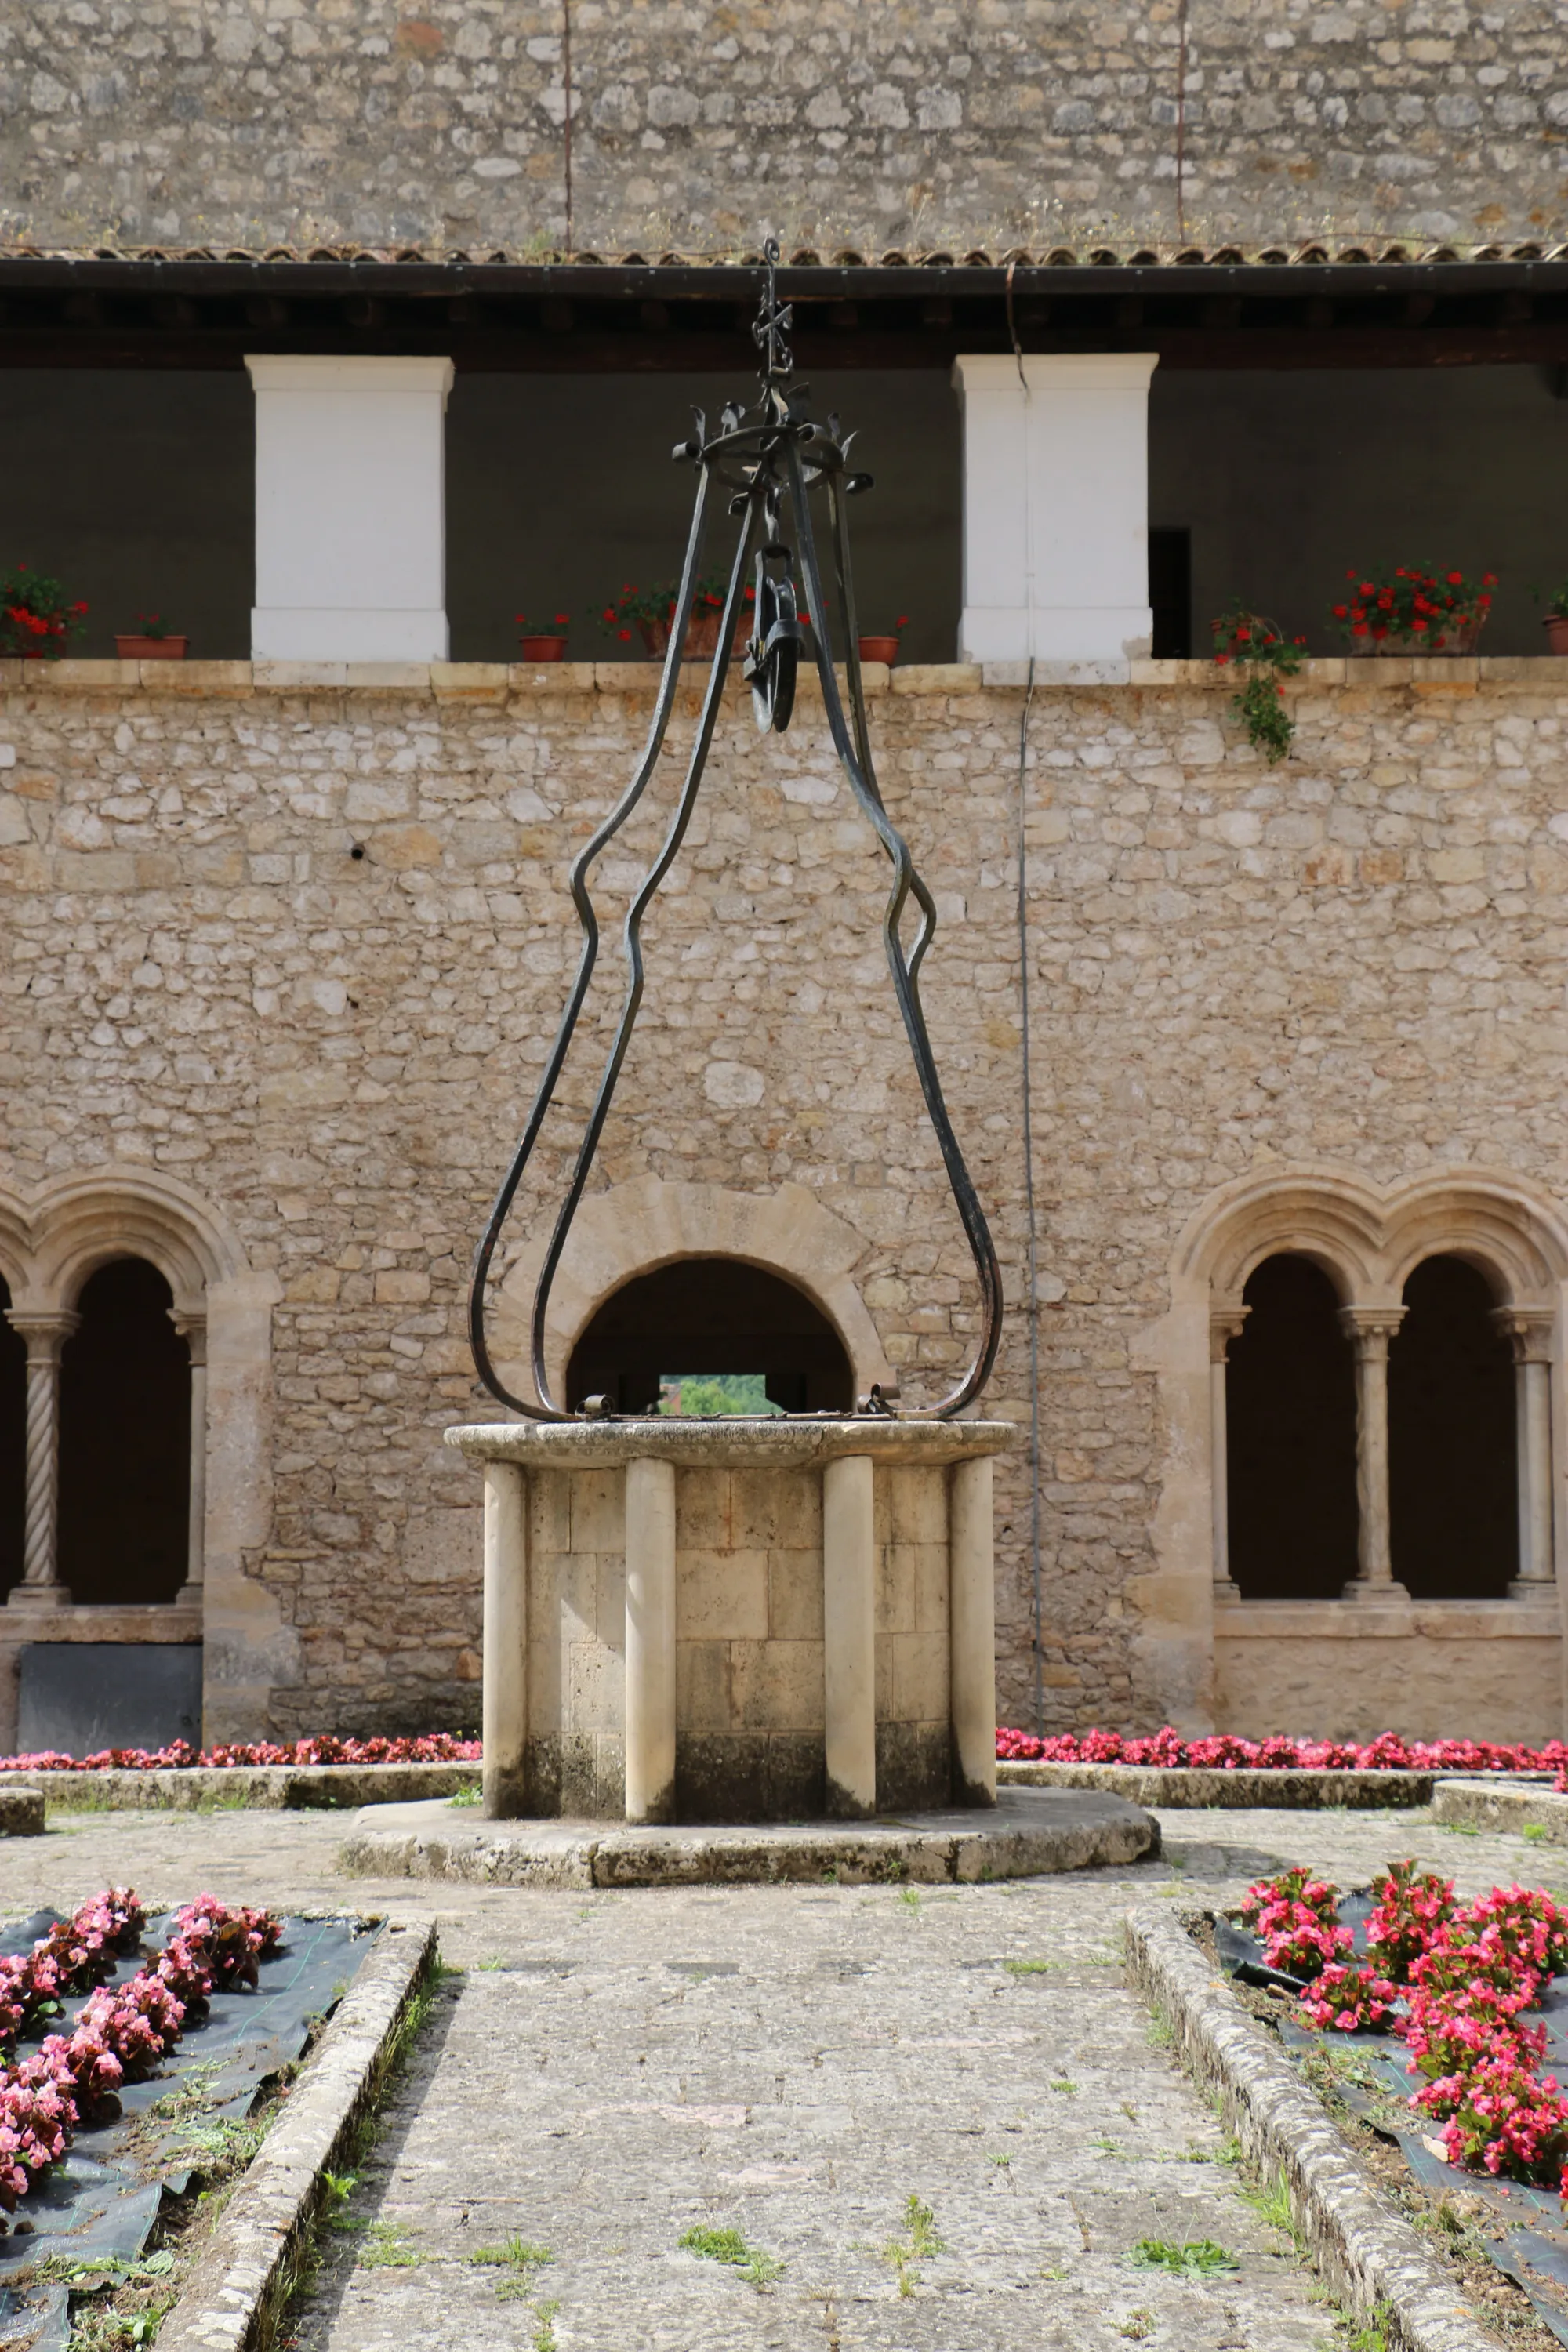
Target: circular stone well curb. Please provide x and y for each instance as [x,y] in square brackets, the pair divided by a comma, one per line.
[1031,1832]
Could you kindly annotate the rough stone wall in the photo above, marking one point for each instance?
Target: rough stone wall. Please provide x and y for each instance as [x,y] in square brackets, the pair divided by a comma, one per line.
[305,122]
[1357,957]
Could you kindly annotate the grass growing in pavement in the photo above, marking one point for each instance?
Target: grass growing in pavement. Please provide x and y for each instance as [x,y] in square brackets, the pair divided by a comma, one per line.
[473,1795]
[1271,2203]
[521,2260]
[1028,1967]
[1200,2258]
[918,2245]
[730,2247]
[1138,2324]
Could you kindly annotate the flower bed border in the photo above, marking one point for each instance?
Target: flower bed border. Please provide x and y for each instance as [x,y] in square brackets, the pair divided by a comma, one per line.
[1480,1804]
[242,2277]
[1185,1786]
[255,1788]
[1369,2254]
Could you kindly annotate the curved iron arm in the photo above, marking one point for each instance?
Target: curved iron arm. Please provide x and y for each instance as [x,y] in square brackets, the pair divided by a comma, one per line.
[658,728]
[745,459]
[905,970]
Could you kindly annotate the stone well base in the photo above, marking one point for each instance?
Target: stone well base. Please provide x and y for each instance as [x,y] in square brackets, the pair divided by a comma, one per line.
[1032,1832]
[734,1620]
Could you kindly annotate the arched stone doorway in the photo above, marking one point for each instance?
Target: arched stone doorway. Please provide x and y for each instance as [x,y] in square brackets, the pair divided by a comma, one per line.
[125,1443]
[702,1316]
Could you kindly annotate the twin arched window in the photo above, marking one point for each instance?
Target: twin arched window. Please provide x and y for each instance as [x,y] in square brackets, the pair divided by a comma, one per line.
[1408,1445]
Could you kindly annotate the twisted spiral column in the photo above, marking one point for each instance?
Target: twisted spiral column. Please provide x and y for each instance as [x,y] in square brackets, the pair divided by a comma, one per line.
[45,1334]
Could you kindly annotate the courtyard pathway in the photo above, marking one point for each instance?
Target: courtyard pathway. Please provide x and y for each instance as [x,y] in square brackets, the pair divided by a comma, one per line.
[610,2070]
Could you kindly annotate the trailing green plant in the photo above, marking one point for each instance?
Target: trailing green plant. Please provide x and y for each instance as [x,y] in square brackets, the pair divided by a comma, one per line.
[1261,655]
[1555,601]
[37,619]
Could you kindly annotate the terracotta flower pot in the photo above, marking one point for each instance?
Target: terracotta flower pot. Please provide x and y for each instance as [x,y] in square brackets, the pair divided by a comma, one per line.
[701,636]
[542,649]
[1557,632]
[135,648]
[883,649]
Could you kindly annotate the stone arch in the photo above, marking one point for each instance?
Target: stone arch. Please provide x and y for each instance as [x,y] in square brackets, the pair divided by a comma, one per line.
[81,1222]
[636,1228]
[1369,1237]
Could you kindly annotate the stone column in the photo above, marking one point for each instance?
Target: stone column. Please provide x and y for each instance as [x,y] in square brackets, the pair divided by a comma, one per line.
[1224,1325]
[505,1698]
[650,1641]
[349,509]
[850,1631]
[972,1624]
[1529,1333]
[1369,1329]
[46,1334]
[193,1330]
[1056,508]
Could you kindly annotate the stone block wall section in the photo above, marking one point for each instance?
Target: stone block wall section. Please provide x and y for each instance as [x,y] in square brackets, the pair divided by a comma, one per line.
[299,941]
[695,127]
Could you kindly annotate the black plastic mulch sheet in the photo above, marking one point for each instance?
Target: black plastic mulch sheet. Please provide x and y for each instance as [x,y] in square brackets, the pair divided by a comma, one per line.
[1531,2248]
[99,2202]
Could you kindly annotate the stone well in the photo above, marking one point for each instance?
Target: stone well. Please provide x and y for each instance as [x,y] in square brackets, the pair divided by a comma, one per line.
[737,1621]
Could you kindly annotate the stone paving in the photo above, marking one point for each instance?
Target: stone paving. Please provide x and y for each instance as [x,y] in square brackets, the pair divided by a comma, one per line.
[796,2063]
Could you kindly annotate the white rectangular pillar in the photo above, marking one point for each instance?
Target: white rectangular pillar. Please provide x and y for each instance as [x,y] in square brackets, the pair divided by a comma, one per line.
[650,1641]
[849,1629]
[349,509]
[505,1692]
[1056,508]
[972,1607]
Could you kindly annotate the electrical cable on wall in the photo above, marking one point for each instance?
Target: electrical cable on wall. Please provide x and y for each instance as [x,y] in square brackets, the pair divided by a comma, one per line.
[1033,1286]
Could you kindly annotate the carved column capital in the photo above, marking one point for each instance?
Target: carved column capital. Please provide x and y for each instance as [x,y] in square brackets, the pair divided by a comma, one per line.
[192,1329]
[1369,1329]
[44,1330]
[1226,1321]
[1528,1330]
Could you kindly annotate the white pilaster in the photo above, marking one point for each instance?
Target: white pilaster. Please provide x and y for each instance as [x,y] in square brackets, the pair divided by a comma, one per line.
[1056,508]
[349,509]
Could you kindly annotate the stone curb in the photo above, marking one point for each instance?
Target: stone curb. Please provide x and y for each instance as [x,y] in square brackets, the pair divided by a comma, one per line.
[1369,2254]
[1188,1785]
[21,1810]
[1481,1805]
[1078,1831]
[256,1788]
[232,2295]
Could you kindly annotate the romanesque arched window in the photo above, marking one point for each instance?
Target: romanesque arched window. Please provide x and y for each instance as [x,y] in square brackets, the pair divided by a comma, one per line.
[125,1442]
[1453,1458]
[1435,1307]
[1290,1410]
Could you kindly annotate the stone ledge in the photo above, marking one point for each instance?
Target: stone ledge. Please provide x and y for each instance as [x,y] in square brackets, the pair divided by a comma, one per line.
[1030,1834]
[1514,1807]
[1187,1786]
[1370,2255]
[704,1444]
[1387,1621]
[241,2278]
[497,683]
[250,1788]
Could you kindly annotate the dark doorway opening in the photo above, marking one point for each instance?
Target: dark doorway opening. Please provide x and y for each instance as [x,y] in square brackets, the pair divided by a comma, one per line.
[1290,1438]
[13,1448]
[125,1442]
[711,1314]
[1453,1494]
[1170,593]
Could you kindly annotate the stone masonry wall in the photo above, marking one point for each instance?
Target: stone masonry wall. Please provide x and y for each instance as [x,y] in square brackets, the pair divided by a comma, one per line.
[305,123]
[1358,957]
